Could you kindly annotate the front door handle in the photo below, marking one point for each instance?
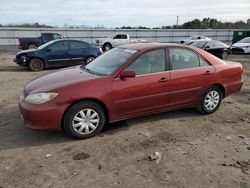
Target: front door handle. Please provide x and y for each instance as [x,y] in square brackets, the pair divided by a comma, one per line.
[163,79]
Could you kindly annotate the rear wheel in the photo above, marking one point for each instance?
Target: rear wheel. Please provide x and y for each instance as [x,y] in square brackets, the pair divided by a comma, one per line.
[89,59]
[32,46]
[36,65]
[211,100]
[84,120]
[106,47]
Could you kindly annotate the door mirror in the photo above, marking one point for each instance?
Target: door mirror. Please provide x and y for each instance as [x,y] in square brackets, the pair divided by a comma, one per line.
[207,47]
[49,50]
[127,74]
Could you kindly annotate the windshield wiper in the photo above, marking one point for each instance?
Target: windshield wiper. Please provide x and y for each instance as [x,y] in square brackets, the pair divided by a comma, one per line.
[88,70]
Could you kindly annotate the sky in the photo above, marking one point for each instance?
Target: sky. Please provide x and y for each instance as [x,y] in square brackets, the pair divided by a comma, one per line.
[117,13]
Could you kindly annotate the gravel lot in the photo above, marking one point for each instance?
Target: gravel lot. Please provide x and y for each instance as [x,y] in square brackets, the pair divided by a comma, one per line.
[196,150]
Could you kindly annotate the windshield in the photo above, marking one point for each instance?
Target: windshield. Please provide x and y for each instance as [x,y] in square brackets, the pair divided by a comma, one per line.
[199,44]
[111,36]
[245,40]
[45,45]
[107,63]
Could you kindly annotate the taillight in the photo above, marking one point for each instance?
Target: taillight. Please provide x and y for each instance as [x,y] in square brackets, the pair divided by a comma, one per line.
[20,42]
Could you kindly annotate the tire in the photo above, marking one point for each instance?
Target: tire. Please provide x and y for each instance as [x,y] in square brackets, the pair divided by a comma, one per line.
[32,46]
[106,47]
[224,55]
[36,65]
[89,59]
[84,120]
[211,100]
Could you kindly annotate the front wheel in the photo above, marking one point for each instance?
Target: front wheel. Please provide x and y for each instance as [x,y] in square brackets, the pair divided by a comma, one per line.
[36,65]
[211,100]
[84,120]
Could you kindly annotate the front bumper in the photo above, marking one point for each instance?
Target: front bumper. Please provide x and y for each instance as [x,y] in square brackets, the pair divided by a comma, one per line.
[47,116]
[21,61]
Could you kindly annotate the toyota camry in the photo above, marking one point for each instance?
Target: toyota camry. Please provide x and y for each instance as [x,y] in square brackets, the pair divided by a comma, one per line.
[128,81]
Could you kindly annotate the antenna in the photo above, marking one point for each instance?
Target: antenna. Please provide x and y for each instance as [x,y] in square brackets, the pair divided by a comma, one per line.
[177,22]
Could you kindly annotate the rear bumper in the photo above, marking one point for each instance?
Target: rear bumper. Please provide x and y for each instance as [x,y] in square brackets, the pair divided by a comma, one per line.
[233,88]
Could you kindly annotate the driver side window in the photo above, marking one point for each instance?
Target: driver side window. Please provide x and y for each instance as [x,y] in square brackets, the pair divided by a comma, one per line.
[59,46]
[149,62]
[118,37]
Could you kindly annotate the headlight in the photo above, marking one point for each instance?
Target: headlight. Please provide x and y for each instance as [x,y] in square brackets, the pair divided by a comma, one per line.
[39,98]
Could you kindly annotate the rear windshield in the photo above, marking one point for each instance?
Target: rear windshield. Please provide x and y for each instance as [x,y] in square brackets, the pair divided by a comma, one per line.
[199,44]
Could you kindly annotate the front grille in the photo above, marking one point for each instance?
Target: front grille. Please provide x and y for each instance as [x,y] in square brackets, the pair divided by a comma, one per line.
[25,93]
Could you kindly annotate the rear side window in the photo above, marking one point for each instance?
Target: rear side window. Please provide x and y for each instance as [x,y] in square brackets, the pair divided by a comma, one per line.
[59,46]
[77,45]
[124,37]
[183,58]
[203,62]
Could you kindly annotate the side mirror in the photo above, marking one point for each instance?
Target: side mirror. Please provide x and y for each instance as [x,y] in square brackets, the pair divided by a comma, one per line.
[127,74]
[49,50]
[207,47]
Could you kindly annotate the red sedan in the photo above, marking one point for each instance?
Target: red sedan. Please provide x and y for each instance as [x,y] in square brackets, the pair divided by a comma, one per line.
[129,81]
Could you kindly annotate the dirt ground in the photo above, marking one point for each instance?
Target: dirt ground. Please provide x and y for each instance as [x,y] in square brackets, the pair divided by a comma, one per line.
[196,150]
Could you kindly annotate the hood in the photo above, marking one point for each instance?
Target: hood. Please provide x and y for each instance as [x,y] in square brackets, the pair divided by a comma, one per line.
[240,44]
[27,51]
[59,79]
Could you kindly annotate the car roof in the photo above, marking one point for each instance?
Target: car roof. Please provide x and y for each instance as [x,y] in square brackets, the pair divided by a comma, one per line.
[145,46]
[68,40]
[204,40]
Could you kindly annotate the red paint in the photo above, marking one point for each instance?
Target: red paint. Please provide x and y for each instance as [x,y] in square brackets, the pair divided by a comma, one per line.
[128,97]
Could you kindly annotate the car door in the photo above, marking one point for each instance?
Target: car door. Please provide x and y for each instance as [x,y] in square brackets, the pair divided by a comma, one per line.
[119,39]
[189,76]
[148,91]
[57,54]
[77,52]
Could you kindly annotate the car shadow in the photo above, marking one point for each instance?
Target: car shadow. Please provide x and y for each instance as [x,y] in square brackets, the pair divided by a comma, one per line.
[13,69]
[17,68]
[25,69]
[14,134]
[126,124]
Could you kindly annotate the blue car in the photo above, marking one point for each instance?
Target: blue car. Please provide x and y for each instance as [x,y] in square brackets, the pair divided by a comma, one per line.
[58,53]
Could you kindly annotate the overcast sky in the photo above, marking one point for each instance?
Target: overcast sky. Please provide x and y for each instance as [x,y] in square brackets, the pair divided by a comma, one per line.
[112,13]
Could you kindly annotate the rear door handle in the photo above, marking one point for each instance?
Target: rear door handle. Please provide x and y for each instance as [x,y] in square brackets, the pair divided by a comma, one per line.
[207,73]
[163,79]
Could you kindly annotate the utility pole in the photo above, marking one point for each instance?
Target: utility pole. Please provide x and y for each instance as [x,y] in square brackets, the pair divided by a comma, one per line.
[177,22]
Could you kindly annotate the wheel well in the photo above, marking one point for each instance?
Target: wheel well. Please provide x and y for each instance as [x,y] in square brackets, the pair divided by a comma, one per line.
[89,56]
[92,100]
[107,43]
[37,58]
[32,43]
[221,87]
